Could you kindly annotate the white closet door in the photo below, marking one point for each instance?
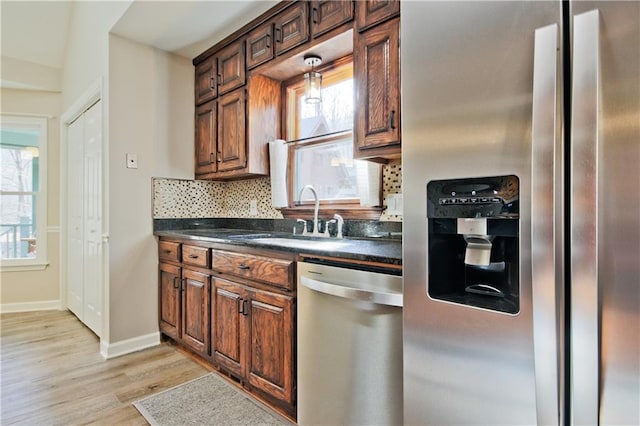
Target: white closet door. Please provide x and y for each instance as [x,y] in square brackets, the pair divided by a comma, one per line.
[84,218]
[75,222]
[93,218]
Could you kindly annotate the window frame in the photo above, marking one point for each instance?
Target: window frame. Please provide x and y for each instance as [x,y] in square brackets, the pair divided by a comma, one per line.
[347,208]
[40,124]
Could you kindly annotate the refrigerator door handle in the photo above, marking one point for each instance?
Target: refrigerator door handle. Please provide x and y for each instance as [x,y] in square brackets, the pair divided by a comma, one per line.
[585,303]
[543,231]
[379,297]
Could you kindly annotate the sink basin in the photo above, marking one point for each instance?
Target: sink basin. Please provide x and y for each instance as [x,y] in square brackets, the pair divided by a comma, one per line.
[302,243]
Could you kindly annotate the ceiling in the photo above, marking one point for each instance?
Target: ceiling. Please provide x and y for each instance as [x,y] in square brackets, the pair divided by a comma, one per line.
[35,32]
[187,28]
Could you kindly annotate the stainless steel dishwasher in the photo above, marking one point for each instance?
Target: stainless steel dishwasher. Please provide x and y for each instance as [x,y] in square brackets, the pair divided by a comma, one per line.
[349,346]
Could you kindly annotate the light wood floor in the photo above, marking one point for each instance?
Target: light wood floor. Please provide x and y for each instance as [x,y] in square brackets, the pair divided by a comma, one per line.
[51,373]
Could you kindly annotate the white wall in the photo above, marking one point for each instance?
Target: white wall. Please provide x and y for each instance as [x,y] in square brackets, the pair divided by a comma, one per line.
[148,110]
[150,114]
[25,290]
[87,49]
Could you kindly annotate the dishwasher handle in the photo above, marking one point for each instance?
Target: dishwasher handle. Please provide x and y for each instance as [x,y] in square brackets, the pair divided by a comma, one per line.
[379,297]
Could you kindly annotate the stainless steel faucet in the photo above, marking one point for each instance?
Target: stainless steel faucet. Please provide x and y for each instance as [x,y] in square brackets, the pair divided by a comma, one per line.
[314,230]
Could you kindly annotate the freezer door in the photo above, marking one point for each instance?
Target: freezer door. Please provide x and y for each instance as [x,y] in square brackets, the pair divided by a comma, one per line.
[468,94]
[605,213]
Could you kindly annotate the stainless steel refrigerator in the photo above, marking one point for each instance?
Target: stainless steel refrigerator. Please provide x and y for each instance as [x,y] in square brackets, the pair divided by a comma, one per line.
[521,181]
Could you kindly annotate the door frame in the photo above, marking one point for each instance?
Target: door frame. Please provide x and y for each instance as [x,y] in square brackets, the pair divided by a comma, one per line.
[93,94]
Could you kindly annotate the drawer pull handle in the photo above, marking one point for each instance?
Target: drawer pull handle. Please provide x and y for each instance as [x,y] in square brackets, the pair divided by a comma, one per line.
[193,256]
[166,251]
[244,311]
[243,267]
[176,281]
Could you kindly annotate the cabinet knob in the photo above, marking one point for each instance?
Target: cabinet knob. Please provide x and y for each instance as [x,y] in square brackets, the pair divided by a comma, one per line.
[244,267]
[268,41]
[176,282]
[212,82]
[278,35]
[193,256]
[314,15]
[392,119]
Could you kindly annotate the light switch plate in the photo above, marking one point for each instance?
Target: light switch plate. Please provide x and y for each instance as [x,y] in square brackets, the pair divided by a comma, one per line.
[132,161]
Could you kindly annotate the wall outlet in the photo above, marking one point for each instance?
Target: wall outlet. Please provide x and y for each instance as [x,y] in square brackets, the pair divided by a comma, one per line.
[132,161]
[394,204]
[253,207]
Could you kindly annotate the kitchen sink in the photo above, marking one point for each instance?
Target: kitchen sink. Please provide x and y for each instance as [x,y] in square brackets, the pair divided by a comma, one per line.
[319,244]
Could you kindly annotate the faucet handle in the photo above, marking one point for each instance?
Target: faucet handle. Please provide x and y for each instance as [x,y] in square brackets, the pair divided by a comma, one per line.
[304,226]
[340,221]
[326,227]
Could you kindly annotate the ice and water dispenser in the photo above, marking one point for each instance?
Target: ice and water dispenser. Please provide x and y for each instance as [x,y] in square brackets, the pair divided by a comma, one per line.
[473,227]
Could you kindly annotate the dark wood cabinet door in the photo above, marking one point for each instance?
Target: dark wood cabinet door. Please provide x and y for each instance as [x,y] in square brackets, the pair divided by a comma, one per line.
[228,326]
[260,45]
[373,12]
[291,27]
[329,14]
[231,143]
[377,74]
[205,149]
[270,360]
[169,311]
[196,301]
[205,84]
[231,68]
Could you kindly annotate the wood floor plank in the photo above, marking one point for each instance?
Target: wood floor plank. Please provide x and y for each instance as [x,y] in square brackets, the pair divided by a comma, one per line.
[51,372]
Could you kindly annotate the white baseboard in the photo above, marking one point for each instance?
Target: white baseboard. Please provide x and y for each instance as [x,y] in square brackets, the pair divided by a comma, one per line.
[135,344]
[45,305]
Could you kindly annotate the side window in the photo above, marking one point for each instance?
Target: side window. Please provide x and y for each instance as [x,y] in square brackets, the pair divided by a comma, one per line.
[23,226]
[321,153]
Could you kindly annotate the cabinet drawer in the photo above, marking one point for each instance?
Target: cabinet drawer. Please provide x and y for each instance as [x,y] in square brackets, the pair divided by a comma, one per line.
[197,256]
[277,272]
[168,250]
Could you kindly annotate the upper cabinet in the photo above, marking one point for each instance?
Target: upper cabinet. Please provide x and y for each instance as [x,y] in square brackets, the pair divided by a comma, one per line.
[220,73]
[238,92]
[205,84]
[329,14]
[231,67]
[291,27]
[233,130]
[373,12]
[376,70]
[260,45]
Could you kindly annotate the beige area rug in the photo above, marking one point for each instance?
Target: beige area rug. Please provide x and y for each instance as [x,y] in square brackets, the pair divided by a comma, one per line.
[208,400]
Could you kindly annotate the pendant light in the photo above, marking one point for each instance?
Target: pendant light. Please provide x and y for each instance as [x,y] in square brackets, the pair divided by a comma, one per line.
[312,80]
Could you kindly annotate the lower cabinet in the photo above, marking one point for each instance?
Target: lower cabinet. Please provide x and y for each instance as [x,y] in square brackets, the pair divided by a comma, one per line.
[253,337]
[236,309]
[196,303]
[185,306]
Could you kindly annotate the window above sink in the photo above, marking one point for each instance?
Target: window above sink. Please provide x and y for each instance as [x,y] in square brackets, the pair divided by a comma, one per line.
[321,153]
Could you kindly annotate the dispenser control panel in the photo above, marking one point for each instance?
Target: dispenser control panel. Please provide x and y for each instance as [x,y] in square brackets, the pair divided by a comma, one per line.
[471,200]
[474,242]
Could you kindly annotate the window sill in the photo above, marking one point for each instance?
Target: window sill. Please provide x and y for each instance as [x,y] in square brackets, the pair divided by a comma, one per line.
[347,212]
[17,266]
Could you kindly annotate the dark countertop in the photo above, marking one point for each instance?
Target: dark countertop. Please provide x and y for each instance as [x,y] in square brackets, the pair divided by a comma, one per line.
[381,250]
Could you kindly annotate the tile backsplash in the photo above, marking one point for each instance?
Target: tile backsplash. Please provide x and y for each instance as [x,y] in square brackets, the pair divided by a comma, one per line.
[178,198]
